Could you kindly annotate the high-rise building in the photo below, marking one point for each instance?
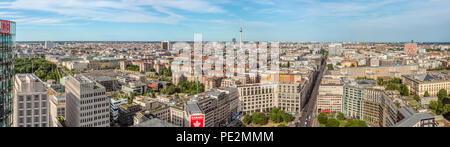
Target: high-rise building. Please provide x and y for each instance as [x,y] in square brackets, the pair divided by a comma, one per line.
[30,102]
[49,45]
[7,45]
[165,45]
[86,103]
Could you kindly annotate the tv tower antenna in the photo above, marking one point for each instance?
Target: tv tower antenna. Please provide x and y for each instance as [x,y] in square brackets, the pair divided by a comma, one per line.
[240,43]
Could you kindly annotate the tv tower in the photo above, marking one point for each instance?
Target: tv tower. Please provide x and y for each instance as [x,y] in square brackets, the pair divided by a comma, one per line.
[240,43]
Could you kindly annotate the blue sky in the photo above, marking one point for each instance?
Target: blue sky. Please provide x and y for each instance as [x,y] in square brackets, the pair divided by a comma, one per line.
[219,20]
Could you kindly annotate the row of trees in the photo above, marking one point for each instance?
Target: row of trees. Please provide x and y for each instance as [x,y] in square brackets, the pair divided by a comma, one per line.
[165,72]
[275,115]
[41,68]
[403,89]
[328,121]
[133,68]
[395,84]
[442,105]
[381,81]
[256,118]
[184,87]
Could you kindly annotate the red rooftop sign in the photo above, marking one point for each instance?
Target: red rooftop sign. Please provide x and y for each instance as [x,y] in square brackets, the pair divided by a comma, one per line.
[197,121]
[5,27]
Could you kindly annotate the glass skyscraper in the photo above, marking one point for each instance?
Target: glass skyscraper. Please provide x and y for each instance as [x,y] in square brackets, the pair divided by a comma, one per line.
[7,45]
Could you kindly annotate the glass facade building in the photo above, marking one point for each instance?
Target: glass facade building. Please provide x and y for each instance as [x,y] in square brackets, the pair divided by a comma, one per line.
[7,45]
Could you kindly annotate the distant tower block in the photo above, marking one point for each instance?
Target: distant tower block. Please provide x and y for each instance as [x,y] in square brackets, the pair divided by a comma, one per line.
[165,45]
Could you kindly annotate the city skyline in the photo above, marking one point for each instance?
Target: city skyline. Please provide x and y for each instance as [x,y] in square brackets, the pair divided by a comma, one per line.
[263,20]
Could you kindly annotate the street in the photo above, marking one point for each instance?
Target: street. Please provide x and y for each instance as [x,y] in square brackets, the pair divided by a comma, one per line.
[305,119]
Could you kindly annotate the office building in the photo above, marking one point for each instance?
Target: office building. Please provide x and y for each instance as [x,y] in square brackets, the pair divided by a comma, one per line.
[215,108]
[287,96]
[30,102]
[86,103]
[49,44]
[7,45]
[330,94]
[362,101]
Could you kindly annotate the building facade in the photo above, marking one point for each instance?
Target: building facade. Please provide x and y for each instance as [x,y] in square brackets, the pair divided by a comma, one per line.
[432,83]
[361,101]
[330,95]
[31,107]
[7,45]
[86,103]
[411,49]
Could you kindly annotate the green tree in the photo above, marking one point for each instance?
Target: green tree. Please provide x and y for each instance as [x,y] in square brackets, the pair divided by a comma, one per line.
[273,115]
[442,94]
[247,119]
[416,97]
[340,116]
[332,123]
[281,125]
[380,81]
[434,105]
[330,67]
[404,91]
[322,118]
[259,118]
[392,87]
[396,81]
[446,109]
[355,123]
[426,94]
[133,67]
[288,117]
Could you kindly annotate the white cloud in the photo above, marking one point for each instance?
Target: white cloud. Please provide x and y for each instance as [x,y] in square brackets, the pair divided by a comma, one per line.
[116,11]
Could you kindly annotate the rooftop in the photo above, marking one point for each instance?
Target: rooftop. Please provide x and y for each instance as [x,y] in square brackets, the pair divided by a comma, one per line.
[430,77]
[155,122]
[411,118]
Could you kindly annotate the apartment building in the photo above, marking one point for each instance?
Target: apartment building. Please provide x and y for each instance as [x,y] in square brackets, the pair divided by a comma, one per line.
[30,102]
[432,83]
[86,103]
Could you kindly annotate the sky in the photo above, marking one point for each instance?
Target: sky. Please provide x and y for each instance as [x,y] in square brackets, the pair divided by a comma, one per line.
[219,20]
